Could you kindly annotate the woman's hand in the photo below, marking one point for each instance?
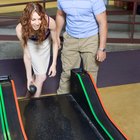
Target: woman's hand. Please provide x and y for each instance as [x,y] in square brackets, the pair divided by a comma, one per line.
[29,82]
[52,71]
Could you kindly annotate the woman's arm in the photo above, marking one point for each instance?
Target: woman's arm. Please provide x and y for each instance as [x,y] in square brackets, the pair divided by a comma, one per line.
[26,56]
[52,27]
[28,67]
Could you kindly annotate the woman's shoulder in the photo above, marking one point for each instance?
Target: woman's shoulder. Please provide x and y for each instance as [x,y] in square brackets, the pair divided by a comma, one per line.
[51,21]
[18,27]
[19,31]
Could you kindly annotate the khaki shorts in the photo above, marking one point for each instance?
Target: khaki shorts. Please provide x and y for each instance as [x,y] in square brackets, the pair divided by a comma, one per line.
[75,49]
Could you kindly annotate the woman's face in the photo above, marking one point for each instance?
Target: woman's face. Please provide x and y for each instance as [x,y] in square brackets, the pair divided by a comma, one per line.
[35,21]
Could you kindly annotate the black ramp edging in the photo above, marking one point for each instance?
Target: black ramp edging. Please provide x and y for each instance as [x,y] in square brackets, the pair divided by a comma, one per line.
[77,93]
[2,127]
[94,110]
[98,109]
[56,117]
[11,112]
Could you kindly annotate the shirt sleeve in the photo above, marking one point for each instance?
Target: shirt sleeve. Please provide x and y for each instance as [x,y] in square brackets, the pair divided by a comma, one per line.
[98,6]
[58,5]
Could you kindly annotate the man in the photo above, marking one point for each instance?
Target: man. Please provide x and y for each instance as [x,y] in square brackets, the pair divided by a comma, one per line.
[85,37]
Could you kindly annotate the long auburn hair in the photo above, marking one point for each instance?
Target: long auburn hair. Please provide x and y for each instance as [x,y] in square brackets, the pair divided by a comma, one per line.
[25,20]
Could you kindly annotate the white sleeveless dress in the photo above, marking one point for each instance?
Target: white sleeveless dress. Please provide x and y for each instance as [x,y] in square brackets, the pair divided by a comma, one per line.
[40,55]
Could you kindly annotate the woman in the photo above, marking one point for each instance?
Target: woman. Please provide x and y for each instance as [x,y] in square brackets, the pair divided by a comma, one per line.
[34,31]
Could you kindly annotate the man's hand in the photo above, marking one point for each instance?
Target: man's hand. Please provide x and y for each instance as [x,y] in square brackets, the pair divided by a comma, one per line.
[101,55]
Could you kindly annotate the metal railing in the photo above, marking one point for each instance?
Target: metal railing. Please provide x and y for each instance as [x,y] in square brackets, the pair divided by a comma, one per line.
[132,12]
[24,3]
[132,22]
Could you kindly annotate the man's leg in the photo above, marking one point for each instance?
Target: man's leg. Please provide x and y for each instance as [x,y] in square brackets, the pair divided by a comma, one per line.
[89,47]
[70,58]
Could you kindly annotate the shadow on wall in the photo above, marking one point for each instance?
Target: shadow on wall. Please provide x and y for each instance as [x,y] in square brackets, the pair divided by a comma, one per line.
[119,68]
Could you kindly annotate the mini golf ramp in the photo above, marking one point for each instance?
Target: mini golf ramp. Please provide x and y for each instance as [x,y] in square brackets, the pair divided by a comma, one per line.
[10,111]
[86,94]
[56,118]
[75,116]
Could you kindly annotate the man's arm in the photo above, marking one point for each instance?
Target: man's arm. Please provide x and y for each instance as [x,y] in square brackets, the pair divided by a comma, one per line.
[103,29]
[60,21]
[102,22]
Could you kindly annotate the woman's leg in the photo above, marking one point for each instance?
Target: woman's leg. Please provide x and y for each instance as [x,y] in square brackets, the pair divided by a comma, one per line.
[39,80]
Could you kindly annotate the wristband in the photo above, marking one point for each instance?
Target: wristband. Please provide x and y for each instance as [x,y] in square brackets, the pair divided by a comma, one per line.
[102,49]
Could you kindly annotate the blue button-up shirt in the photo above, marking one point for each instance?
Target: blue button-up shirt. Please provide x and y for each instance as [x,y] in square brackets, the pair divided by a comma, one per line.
[80,16]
